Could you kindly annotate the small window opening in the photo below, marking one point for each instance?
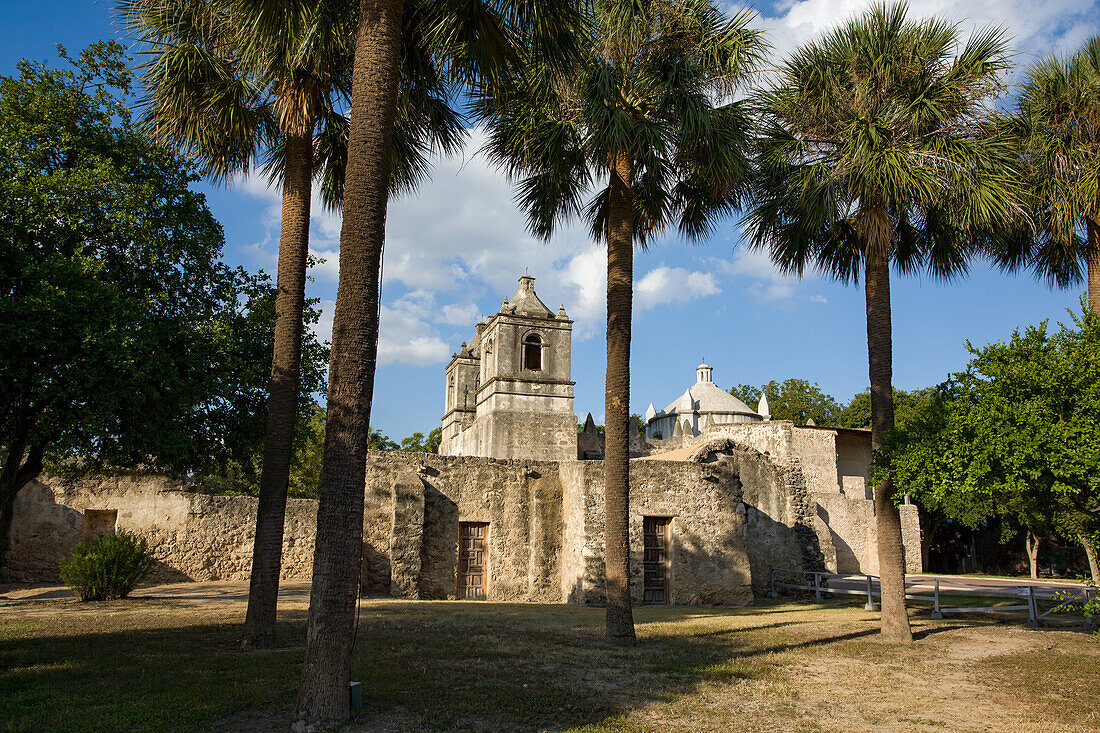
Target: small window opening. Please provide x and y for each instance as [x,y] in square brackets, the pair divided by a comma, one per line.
[532,352]
[99,521]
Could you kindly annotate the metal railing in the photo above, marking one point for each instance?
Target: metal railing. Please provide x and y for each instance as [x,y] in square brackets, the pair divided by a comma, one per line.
[818,584]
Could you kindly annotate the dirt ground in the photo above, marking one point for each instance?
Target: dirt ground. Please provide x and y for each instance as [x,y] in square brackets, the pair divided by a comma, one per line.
[168,659]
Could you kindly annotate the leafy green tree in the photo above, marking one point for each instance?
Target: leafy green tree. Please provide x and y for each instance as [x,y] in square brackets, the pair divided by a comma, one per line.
[1015,438]
[877,150]
[1057,121]
[230,90]
[417,443]
[792,399]
[239,425]
[114,308]
[907,404]
[646,117]
[309,446]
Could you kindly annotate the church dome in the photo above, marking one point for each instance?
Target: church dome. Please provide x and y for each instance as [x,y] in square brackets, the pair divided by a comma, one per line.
[701,405]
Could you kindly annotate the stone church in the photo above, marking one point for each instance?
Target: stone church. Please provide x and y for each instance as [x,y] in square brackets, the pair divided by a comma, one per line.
[512,507]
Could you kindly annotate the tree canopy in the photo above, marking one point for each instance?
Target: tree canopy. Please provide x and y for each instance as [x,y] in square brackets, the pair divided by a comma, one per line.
[1056,122]
[1015,437]
[112,278]
[115,305]
[797,400]
[127,342]
[907,404]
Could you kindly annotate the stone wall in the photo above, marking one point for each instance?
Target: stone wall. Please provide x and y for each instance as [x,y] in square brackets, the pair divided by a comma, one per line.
[709,536]
[853,458]
[194,536]
[782,529]
[911,538]
[413,551]
[735,513]
[854,533]
[733,516]
[850,523]
[836,466]
[817,455]
[525,428]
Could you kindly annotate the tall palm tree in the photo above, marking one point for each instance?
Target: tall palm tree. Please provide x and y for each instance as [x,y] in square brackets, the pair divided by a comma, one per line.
[233,93]
[876,150]
[645,116]
[462,40]
[1057,121]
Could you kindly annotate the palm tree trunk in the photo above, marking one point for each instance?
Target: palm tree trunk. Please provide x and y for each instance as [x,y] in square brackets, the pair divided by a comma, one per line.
[1093,263]
[282,400]
[891,552]
[620,293]
[1090,554]
[323,700]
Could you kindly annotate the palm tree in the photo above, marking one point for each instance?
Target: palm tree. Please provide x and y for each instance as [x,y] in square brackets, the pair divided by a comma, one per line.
[461,40]
[645,116]
[1057,121]
[233,92]
[876,150]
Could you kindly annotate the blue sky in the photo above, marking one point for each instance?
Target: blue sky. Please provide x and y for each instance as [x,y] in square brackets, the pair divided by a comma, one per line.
[456,248]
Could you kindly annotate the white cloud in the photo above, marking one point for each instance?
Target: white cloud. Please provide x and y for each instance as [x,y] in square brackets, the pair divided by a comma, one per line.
[673,285]
[1035,27]
[323,327]
[459,314]
[405,336]
[769,283]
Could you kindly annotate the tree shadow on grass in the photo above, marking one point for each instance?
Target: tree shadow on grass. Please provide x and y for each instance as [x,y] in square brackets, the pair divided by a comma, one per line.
[423,665]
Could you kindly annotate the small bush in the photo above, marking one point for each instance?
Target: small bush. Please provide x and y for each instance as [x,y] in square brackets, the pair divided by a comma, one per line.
[108,566]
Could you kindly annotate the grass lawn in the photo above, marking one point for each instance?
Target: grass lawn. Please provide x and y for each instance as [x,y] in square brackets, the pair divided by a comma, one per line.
[169,661]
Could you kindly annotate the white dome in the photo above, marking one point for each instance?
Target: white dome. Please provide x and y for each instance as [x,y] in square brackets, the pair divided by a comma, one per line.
[709,397]
[706,403]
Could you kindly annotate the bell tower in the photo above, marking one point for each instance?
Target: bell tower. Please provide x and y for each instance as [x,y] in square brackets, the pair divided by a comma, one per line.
[523,399]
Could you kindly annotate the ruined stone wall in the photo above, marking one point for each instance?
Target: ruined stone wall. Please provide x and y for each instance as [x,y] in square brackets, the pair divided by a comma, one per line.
[911,538]
[836,465]
[709,560]
[850,523]
[193,535]
[415,502]
[576,556]
[771,438]
[815,449]
[853,459]
[735,514]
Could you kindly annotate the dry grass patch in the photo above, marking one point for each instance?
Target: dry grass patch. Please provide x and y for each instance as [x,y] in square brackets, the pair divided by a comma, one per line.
[172,662]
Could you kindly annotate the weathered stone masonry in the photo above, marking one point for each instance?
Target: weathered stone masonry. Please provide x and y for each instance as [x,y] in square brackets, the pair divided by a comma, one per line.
[546,524]
[193,535]
[734,513]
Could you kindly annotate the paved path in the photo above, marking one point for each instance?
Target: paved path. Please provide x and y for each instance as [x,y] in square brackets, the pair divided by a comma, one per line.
[294,592]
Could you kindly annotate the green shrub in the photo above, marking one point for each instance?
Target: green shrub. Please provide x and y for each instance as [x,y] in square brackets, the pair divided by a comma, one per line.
[108,566]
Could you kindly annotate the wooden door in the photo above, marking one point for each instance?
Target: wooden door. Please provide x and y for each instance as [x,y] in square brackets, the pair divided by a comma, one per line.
[655,559]
[472,570]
